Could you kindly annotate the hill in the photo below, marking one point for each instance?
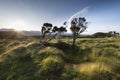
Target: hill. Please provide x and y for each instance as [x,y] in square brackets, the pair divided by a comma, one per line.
[91,59]
[24,33]
[8,32]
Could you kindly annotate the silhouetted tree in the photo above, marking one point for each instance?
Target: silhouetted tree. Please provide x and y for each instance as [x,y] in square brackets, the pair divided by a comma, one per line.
[113,33]
[59,30]
[46,29]
[117,34]
[78,25]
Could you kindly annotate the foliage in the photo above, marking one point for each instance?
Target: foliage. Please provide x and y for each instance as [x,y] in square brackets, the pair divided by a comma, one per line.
[46,28]
[78,25]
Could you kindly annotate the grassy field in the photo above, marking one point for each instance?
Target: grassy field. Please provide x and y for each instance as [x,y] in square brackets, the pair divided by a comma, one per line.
[91,59]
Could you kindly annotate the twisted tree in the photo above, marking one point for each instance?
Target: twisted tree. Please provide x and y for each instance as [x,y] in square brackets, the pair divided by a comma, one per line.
[46,28]
[78,25]
[59,30]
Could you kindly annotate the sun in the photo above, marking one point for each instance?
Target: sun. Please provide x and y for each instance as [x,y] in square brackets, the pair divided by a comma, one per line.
[19,25]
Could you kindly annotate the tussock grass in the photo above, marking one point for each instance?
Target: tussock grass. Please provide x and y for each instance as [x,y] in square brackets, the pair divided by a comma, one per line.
[90,59]
[91,68]
[95,70]
[52,67]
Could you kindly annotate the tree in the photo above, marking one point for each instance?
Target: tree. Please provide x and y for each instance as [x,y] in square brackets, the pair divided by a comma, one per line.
[46,29]
[59,30]
[78,25]
[113,33]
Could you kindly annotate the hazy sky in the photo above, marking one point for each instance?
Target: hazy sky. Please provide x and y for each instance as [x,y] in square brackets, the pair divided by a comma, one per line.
[103,15]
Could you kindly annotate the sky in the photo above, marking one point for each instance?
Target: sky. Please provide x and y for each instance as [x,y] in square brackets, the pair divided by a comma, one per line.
[102,15]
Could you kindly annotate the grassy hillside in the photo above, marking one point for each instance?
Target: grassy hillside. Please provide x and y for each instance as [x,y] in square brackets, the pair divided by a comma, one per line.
[91,59]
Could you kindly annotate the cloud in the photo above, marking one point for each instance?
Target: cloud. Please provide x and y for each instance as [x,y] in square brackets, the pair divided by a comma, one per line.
[80,13]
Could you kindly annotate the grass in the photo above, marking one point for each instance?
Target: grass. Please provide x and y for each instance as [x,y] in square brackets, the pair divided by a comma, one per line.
[91,59]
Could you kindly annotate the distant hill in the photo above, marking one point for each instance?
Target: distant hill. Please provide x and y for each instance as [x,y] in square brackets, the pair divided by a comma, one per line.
[24,33]
[5,29]
[31,33]
[34,33]
[10,34]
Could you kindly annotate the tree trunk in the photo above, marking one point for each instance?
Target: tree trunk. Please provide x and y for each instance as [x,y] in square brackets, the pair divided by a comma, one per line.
[74,39]
[59,37]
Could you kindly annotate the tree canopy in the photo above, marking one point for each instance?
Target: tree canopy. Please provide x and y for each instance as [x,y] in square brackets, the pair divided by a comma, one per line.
[78,25]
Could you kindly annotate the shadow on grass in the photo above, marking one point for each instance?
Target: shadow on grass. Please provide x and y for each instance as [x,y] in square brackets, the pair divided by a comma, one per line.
[65,47]
[73,55]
